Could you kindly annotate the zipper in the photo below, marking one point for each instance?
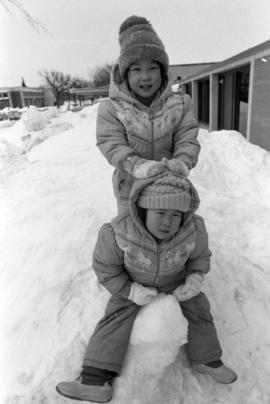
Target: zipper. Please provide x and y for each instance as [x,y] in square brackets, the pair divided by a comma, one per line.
[152,135]
[156,281]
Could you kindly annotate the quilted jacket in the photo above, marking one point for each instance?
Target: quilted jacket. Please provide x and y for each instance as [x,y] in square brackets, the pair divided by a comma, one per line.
[126,127]
[126,252]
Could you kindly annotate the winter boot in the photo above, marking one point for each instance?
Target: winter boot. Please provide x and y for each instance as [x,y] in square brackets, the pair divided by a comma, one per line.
[85,392]
[220,373]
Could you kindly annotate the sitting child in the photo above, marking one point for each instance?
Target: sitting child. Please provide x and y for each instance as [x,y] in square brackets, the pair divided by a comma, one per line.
[159,246]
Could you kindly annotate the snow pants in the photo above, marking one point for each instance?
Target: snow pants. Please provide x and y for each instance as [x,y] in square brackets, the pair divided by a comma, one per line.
[109,342]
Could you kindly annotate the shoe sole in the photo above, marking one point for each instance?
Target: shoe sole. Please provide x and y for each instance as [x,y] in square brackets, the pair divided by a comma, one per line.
[79,399]
[218,381]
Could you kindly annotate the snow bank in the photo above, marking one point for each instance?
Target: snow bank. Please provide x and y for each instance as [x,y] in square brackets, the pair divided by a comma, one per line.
[34,127]
[233,166]
[233,177]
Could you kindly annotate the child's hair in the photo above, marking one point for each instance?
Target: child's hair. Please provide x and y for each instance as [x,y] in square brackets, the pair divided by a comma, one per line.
[142,214]
[137,40]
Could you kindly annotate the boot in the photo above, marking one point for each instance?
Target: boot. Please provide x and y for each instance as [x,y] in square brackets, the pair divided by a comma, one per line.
[85,392]
[221,374]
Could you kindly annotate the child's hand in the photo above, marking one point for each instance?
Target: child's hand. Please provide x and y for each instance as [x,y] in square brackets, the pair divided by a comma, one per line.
[140,294]
[177,166]
[191,288]
[147,168]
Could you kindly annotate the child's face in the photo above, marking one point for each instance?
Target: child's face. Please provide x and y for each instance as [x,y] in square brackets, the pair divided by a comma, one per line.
[144,77]
[163,223]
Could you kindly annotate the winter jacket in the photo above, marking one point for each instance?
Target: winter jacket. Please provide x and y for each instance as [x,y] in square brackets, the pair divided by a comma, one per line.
[126,127]
[126,252]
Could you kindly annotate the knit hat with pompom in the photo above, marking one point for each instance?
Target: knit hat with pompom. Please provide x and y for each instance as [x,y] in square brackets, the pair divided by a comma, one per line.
[138,39]
[167,192]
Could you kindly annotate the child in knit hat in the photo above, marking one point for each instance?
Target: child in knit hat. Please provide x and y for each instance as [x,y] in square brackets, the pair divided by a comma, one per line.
[159,246]
[144,128]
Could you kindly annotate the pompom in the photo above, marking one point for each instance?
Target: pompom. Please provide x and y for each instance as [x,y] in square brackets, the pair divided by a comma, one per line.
[133,20]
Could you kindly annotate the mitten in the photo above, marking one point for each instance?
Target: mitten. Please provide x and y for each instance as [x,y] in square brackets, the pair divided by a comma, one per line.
[141,295]
[147,168]
[178,166]
[191,288]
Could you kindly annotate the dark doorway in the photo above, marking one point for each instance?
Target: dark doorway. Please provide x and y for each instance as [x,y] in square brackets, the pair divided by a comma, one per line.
[203,101]
[16,99]
[233,99]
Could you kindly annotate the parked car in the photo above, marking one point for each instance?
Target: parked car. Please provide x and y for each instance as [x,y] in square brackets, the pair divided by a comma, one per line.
[14,114]
[3,116]
[98,100]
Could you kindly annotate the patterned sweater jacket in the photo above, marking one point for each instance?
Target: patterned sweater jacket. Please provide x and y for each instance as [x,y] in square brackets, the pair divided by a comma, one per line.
[126,127]
[126,252]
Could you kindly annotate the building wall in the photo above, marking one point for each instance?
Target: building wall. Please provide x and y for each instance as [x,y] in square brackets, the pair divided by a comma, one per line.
[186,70]
[33,97]
[4,99]
[260,115]
[24,96]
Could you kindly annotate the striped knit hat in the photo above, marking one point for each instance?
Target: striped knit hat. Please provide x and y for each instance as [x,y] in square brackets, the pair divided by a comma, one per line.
[138,39]
[167,192]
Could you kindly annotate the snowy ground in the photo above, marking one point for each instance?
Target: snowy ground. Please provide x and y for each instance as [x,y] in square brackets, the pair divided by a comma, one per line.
[55,193]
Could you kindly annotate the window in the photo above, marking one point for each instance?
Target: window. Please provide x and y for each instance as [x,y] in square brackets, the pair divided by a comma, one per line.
[188,89]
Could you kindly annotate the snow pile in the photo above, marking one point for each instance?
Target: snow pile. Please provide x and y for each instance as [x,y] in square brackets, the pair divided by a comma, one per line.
[53,205]
[233,165]
[234,177]
[11,157]
[6,123]
[158,332]
[14,134]
[34,120]
[35,126]
[51,112]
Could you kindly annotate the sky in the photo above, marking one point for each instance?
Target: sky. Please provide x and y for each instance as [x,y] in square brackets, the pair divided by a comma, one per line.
[55,193]
[79,35]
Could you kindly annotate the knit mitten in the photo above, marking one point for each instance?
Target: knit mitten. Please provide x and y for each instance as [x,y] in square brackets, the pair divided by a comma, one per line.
[147,168]
[140,294]
[178,166]
[190,289]
[129,163]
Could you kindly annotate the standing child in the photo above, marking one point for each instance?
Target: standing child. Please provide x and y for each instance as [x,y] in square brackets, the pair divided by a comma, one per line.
[159,246]
[143,121]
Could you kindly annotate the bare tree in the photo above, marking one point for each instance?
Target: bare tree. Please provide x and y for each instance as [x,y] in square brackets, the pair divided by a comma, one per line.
[101,75]
[59,83]
[10,5]
[79,82]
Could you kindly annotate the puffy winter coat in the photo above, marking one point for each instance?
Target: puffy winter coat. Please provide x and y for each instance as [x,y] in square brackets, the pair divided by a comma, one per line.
[126,127]
[126,252]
